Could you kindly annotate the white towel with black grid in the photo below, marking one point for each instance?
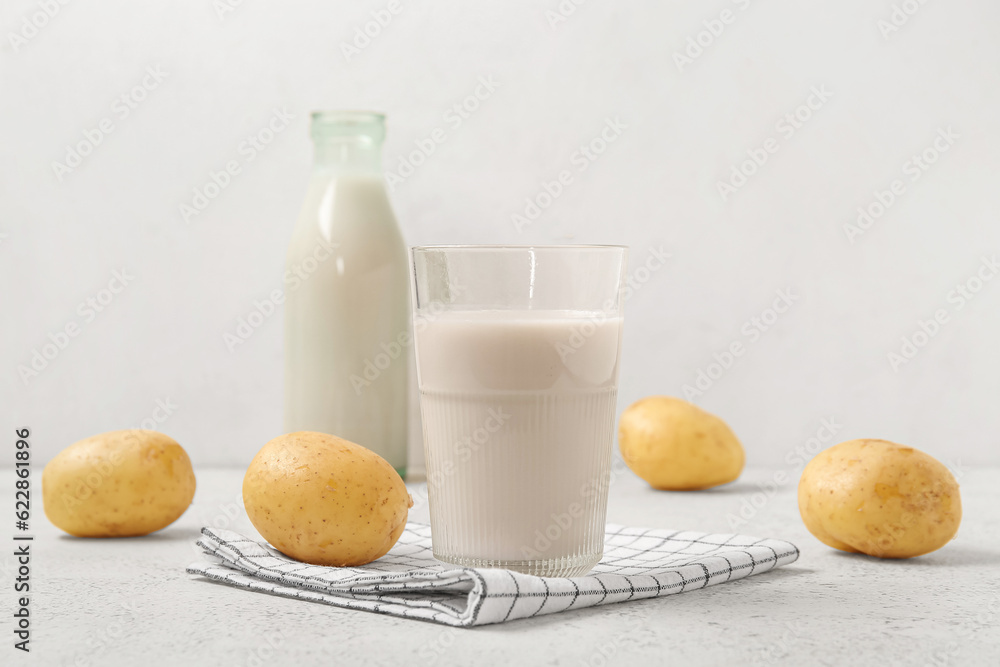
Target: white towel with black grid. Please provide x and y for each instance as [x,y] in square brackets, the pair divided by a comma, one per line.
[638,563]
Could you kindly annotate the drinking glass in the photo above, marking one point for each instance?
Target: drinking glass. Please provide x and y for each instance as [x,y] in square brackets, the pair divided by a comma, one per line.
[517,351]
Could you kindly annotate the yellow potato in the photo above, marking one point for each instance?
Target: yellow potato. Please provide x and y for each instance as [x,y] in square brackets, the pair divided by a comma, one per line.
[879,498]
[675,445]
[324,500]
[118,484]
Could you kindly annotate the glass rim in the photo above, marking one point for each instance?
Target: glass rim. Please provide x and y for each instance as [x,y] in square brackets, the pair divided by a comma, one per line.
[474,246]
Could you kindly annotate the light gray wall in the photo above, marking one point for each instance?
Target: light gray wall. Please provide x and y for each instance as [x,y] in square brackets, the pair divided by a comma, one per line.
[887,94]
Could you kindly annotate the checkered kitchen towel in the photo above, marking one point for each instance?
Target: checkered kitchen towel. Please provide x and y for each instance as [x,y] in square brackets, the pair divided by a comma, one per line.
[638,563]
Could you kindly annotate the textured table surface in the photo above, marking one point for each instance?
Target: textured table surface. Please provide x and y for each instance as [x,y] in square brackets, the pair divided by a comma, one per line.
[129,602]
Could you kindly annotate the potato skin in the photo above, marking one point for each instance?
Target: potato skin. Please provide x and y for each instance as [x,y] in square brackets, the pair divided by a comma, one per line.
[118,484]
[323,500]
[879,498]
[675,445]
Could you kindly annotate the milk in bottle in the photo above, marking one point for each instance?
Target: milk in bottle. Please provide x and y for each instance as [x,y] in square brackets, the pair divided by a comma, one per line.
[346,295]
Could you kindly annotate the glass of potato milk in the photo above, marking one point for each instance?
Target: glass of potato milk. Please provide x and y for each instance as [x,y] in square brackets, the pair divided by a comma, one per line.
[517,352]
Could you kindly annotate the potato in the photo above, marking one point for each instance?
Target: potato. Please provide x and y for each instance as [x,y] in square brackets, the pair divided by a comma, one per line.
[879,498]
[324,500]
[675,445]
[118,484]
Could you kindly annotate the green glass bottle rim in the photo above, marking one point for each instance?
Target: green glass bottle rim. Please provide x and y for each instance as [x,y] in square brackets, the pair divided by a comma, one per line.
[345,124]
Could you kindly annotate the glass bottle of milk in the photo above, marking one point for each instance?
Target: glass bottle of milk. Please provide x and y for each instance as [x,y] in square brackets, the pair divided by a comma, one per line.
[347,300]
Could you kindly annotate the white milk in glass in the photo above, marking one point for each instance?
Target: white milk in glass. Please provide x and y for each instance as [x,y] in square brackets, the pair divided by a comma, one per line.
[519,416]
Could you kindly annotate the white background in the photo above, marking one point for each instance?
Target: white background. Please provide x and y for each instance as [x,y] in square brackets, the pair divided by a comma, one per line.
[161,338]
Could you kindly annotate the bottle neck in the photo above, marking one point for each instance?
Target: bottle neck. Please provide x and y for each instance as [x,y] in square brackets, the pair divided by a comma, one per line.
[347,154]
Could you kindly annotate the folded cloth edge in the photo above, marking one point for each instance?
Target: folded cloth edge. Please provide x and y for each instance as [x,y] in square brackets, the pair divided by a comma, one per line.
[232,566]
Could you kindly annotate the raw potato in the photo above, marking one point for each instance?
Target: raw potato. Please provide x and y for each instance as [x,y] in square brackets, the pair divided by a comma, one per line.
[324,500]
[879,498]
[677,446]
[118,484]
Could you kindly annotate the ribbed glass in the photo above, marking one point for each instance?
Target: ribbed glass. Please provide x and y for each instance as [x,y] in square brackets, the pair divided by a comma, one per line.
[510,498]
[518,399]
